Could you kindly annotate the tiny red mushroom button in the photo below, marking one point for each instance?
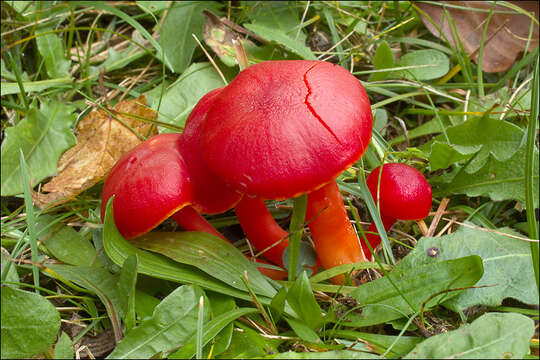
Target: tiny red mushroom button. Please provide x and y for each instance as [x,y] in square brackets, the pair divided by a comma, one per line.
[403,194]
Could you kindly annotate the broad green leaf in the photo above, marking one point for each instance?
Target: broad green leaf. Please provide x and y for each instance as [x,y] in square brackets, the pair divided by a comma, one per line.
[499,180]
[491,336]
[484,136]
[381,302]
[281,38]
[383,59]
[43,135]
[210,254]
[303,331]
[65,243]
[211,329]
[144,304]
[183,19]
[51,48]
[126,291]
[173,322]
[507,265]
[301,298]
[180,97]
[118,249]
[336,354]
[380,343]
[30,323]
[63,349]
[380,119]
[431,64]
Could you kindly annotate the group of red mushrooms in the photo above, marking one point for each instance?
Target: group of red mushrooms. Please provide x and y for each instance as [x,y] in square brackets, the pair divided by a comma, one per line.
[279,130]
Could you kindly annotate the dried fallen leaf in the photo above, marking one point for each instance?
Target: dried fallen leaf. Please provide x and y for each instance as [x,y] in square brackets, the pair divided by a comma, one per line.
[219,36]
[101,141]
[506,37]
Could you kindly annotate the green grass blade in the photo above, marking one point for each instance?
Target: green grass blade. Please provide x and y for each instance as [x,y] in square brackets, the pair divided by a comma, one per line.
[30,219]
[296,229]
[529,176]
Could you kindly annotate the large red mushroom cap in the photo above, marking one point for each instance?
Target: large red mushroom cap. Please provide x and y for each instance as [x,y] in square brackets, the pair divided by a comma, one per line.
[150,183]
[284,128]
[211,194]
[404,192]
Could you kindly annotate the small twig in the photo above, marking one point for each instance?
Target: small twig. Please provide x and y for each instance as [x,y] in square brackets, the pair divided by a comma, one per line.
[493,231]
[211,60]
[271,326]
[446,227]
[438,216]
[423,227]
[333,47]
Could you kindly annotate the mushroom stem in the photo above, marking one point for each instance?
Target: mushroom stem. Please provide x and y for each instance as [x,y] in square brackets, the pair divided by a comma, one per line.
[372,235]
[334,238]
[261,229]
[191,220]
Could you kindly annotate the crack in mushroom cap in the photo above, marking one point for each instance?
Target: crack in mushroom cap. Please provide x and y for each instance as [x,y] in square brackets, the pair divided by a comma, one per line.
[285,128]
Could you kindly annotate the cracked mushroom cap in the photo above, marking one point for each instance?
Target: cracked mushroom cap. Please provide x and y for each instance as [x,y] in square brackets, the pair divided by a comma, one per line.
[150,183]
[284,128]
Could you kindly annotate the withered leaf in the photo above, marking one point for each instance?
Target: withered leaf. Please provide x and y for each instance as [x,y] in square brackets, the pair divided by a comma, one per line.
[506,36]
[101,141]
[219,36]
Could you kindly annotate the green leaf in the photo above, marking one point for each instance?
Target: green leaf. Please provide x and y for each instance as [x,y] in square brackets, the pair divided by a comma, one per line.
[337,354]
[499,180]
[296,228]
[301,298]
[43,135]
[381,302]
[126,290]
[173,322]
[282,15]
[491,336]
[30,323]
[65,243]
[507,265]
[12,275]
[383,59]
[183,19]
[484,137]
[51,48]
[64,348]
[211,329]
[180,98]
[303,331]
[210,254]
[7,88]
[144,304]
[152,6]
[100,282]
[281,38]
[432,64]
[118,249]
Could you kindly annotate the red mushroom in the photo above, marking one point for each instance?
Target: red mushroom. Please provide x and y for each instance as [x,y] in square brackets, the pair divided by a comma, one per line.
[403,194]
[281,129]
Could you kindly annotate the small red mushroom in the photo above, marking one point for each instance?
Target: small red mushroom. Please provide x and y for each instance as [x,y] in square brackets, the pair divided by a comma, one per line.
[403,194]
[281,129]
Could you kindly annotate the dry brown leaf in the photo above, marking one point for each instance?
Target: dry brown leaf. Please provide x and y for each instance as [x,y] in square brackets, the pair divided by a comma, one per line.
[506,36]
[101,141]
